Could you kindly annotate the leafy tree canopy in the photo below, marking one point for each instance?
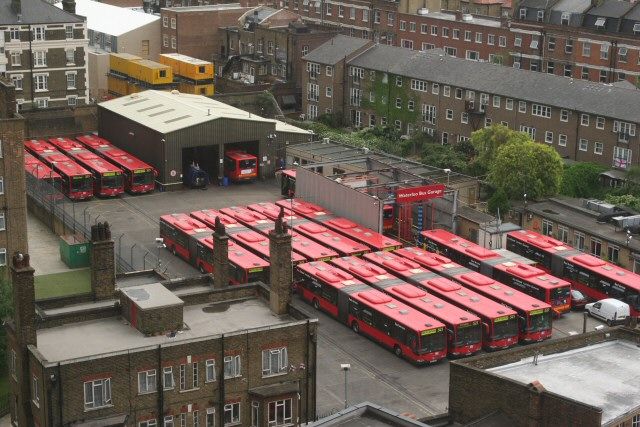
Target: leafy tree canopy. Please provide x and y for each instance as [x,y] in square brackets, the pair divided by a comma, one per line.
[582,180]
[488,140]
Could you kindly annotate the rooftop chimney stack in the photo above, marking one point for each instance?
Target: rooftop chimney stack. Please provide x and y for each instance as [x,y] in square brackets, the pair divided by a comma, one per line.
[103,268]
[69,6]
[281,275]
[220,256]
[23,328]
[16,6]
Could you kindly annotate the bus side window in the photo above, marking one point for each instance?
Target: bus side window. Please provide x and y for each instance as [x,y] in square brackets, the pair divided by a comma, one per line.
[399,333]
[382,323]
[354,309]
[367,317]
[412,340]
[330,294]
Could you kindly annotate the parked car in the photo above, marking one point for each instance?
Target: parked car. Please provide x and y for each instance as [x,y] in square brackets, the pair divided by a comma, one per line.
[578,300]
[610,310]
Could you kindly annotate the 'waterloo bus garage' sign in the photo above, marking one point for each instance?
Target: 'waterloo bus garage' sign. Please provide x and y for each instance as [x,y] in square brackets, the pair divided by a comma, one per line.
[416,194]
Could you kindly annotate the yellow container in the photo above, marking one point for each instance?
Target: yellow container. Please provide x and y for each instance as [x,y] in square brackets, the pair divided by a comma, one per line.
[188,67]
[133,88]
[119,62]
[196,89]
[150,72]
[117,86]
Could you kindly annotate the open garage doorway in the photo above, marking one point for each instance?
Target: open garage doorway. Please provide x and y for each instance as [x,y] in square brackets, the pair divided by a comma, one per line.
[205,156]
[251,147]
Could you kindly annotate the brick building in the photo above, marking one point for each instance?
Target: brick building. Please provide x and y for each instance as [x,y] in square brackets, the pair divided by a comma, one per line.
[162,354]
[196,30]
[576,380]
[13,215]
[267,45]
[449,98]
[44,53]
[581,224]
[580,39]
[326,68]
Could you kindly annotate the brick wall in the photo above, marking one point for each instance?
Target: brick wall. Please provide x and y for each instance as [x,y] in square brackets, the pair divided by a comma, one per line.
[473,392]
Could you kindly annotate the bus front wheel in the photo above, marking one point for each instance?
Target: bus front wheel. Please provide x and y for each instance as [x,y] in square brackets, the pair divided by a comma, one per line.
[316,304]
[397,351]
[355,327]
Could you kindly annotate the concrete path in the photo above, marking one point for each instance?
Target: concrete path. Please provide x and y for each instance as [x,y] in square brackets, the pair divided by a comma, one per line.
[43,248]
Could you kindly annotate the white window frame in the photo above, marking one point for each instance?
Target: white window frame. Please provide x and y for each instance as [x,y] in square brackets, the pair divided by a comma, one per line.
[275,361]
[210,370]
[103,386]
[41,82]
[276,407]
[173,23]
[600,121]
[167,373]
[16,58]
[235,413]
[562,140]
[522,106]
[508,104]
[564,115]
[35,389]
[165,21]
[71,83]
[147,382]
[583,144]
[548,137]
[232,367]
[598,148]
[39,33]
[584,119]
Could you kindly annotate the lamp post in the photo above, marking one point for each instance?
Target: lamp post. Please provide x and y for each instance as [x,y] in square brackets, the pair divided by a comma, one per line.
[448,172]
[160,244]
[345,367]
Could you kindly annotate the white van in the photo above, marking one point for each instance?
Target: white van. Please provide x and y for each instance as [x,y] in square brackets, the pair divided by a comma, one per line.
[610,310]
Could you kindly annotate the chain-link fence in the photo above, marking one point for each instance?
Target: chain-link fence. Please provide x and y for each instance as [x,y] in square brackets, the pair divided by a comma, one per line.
[64,216]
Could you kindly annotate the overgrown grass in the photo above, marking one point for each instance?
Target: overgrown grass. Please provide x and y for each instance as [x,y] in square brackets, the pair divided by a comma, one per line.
[63,284]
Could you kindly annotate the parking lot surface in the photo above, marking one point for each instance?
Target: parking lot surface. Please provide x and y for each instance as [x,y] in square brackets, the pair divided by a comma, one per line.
[376,375]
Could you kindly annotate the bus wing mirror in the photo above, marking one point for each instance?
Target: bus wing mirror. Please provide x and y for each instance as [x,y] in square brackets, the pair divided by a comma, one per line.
[486,327]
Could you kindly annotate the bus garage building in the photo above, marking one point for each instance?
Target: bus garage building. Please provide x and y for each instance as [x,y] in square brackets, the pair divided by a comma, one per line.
[171,130]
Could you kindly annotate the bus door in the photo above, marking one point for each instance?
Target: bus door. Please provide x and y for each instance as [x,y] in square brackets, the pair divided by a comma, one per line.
[343,307]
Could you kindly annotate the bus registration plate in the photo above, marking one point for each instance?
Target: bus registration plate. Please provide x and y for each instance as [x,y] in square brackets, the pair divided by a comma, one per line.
[245,171]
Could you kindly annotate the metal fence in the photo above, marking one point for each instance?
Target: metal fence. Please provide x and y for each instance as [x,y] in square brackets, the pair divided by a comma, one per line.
[77,217]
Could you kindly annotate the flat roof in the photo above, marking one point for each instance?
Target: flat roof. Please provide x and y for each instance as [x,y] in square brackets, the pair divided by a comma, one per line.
[184,58]
[205,8]
[112,20]
[152,295]
[605,375]
[367,414]
[166,112]
[114,334]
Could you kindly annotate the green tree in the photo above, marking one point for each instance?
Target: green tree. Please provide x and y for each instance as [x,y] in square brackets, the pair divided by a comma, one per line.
[632,177]
[498,201]
[628,200]
[488,140]
[444,157]
[582,180]
[526,168]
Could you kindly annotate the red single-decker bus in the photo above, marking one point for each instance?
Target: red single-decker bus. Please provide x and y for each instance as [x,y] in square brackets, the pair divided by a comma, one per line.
[107,178]
[596,278]
[408,332]
[240,166]
[139,176]
[75,181]
[500,324]
[464,331]
[354,231]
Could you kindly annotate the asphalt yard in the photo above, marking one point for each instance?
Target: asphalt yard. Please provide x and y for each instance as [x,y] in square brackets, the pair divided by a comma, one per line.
[376,375]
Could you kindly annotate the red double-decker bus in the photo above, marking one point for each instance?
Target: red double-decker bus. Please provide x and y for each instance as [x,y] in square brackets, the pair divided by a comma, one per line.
[374,240]
[139,177]
[508,270]
[314,231]
[500,324]
[304,246]
[191,240]
[397,326]
[464,331]
[596,278]
[75,181]
[533,314]
[107,178]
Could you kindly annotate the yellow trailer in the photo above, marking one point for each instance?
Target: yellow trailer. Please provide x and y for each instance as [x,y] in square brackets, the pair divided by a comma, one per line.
[150,72]
[119,62]
[196,89]
[117,85]
[188,67]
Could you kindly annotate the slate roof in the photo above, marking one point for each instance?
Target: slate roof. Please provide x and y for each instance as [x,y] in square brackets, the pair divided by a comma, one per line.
[35,12]
[561,92]
[335,49]
[536,4]
[574,6]
[634,14]
[611,9]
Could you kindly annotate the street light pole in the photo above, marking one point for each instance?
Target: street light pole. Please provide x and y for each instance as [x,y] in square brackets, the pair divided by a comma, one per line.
[345,367]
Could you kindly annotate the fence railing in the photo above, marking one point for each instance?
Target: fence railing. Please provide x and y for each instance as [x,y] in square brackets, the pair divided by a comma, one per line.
[77,217]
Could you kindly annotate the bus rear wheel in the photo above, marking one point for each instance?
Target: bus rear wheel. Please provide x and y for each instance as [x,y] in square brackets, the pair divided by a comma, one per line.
[397,351]
[355,327]
[316,304]
[201,268]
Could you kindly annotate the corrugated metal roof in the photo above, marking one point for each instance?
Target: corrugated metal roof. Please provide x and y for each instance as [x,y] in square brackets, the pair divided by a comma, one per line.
[167,112]
[112,20]
[562,92]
